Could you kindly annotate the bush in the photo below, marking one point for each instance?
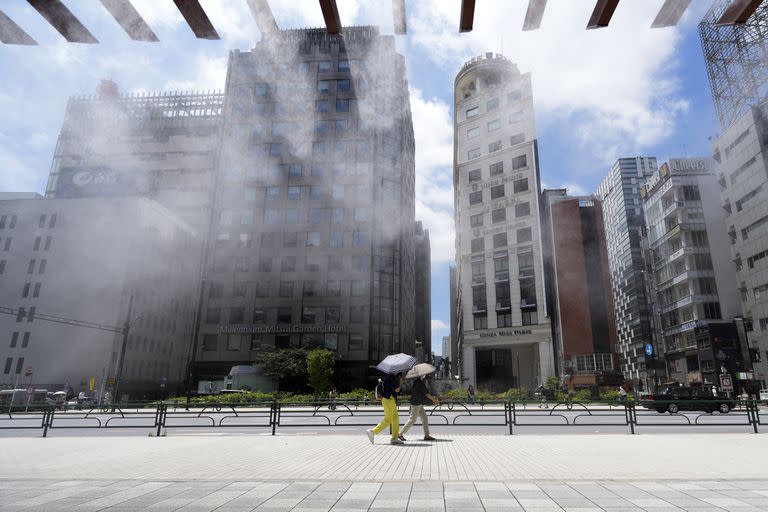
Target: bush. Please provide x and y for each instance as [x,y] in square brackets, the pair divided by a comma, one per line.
[320,366]
[358,394]
[552,382]
[514,395]
[459,395]
[612,395]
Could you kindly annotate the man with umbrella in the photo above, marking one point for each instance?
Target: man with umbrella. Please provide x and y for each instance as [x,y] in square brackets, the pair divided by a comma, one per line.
[395,367]
[419,398]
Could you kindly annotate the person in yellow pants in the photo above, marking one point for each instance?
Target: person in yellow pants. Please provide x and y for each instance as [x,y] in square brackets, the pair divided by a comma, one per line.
[389,390]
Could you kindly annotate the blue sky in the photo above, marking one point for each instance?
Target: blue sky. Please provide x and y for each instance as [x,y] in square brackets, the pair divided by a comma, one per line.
[599,95]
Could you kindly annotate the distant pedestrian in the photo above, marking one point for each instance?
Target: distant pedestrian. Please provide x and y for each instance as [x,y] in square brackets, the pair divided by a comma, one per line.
[622,393]
[419,398]
[387,391]
[471,394]
[332,394]
[714,391]
[107,397]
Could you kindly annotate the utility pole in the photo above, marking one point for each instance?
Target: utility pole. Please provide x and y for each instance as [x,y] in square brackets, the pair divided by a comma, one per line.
[126,329]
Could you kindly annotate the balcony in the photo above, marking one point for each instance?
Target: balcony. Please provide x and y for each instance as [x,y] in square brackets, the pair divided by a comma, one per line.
[501,277]
[528,304]
[504,305]
[478,309]
[672,207]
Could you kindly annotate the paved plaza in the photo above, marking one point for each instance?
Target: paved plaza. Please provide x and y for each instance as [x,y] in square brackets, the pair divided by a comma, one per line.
[195,473]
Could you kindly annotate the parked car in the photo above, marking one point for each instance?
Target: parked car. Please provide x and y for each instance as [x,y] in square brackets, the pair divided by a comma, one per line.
[685,398]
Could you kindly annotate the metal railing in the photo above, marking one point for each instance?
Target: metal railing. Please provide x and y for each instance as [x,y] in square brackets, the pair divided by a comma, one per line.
[272,416]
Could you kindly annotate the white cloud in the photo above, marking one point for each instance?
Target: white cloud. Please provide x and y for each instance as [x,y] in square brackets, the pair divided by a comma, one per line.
[210,73]
[433,129]
[574,189]
[615,88]
[439,325]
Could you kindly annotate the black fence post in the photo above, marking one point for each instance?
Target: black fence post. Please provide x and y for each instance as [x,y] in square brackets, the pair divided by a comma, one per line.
[753,413]
[160,417]
[511,406]
[47,419]
[629,414]
[275,415]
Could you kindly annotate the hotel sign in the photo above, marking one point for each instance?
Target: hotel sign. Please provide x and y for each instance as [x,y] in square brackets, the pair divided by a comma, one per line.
[283,329]
[511,332]
[689,164]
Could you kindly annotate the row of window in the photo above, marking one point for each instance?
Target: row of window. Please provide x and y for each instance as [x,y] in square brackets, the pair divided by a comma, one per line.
[505,320]
[145,344]
[493,104]
[291,216]
[320,148]
[10,220]
[256,342]
[497,168]
[9,365]
[284,315]
[310,288]
[756,258]
[499,191]
[278,173]
[24,339]
[28,287]
[336,239]
[522,235]
[5,243]
[287,263]
[7,220]
[153,370]
[500,215]
[496,146]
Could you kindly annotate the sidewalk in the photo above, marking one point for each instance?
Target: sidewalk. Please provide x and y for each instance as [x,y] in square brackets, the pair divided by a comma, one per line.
[457,457]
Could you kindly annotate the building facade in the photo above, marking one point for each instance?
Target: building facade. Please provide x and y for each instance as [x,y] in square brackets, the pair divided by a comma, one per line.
[619,193]
[582,299]
[693,272]
[742,154]
[423,291]
[504,333]
[103,251]
[313,236]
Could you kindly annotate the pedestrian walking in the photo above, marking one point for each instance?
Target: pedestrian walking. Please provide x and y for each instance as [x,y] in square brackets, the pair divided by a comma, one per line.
[387,392]
[420,397]
[622,393]
[471,393]
[714,391]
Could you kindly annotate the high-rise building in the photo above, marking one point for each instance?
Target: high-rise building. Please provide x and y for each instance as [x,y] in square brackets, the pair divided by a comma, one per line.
[624,221]
[582,301]
[505,338]
[446,347]
[423,291]
[694,276]
[454,294]
[742,154]
[79,262]
[313,237]
[163,146]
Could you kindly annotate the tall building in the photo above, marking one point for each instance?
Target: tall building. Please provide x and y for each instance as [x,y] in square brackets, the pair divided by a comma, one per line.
[624,221]
[446,347]
[454,294]
[313,239]
[505,338]
[423,290]
[735,59]
[163,146]
[582,299]
[693,272]
[741,151]
[81,261]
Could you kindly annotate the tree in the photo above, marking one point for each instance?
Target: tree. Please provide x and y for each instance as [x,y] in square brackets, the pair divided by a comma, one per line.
[553,382]
[320,366]
[289,365]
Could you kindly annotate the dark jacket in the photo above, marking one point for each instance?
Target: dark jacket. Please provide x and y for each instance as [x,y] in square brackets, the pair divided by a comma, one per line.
[419,393]
[391,383]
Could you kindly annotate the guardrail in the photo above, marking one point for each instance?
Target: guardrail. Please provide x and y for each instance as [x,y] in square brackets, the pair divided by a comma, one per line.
[272,416]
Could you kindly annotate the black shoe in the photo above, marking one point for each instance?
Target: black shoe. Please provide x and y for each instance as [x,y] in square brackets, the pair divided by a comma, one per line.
[429,438]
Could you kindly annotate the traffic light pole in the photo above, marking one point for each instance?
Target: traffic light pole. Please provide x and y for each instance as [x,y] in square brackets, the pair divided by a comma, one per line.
[126,329]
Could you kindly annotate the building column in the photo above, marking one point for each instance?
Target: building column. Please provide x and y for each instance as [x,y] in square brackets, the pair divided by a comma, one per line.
[546,362]
[468,365]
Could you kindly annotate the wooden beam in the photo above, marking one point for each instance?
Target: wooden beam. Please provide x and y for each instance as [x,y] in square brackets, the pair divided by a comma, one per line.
[263,16]
[129,18]
[11,33]
[739,12]
[398,16]
[467,17]
[62,19]
[670,13]
[197,19]
[602,14]
[331,15]
[534,14]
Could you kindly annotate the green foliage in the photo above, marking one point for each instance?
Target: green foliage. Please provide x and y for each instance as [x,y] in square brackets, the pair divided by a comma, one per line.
[610,395]
[552,382]
[289,365]
[581,395]
[456,394]
[515,395]
[357,395]
[320,367]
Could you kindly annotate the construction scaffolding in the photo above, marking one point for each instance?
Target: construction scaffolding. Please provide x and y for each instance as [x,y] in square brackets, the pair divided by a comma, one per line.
[737,61]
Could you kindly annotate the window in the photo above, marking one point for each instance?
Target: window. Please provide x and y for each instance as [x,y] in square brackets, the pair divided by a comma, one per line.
[473,153]
[476,220]
[497,191]
[31,267]
[309,315]
[494,146]
[473,132]
[342,126]
[492,104]
[265,264]
[691,193]
[516,139]
[359,238]
[41,224]
[342,105]
[480,322]
[322,106]
[360,214]
[357,288]
[8,364]
[499,215]
[25,291]
[294,170]
[318,147]
[313,239]
[343,65]
[337,239]
[524,235]
[36,292]
[497,168]
[236,315]
[288,263]
[286,288]
[499,240]
[290,239]
[259,315]
[271,216]
[19,365]
[316,215]
[294,193]
[357,314]
[2,266]
[504,319]
[335,263]
[522,209]
[316,192]
[476,197]
[37,244]
[239,289]
[355,342]
[14,339]
[323,86]
[276,149]
[334,290]
[519,162]
[474,175]
[477,244]
[472,112]
[712,310]
[343,85]
[47,243]
[520,185]
[210,342]
[213,316]
[337,215]
[284,315]
[310,289]
[494,125]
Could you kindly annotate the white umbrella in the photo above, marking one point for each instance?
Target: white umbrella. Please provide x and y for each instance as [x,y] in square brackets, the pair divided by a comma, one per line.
[396,363]
[420,370]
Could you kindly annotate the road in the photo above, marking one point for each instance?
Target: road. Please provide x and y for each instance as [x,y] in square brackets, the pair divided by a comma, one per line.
[345,420]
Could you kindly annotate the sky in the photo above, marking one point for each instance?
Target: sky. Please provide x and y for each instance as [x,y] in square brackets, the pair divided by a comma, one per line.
[599,95]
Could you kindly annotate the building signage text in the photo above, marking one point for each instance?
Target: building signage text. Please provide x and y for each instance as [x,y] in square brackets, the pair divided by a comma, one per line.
[283,329]
[513,332]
